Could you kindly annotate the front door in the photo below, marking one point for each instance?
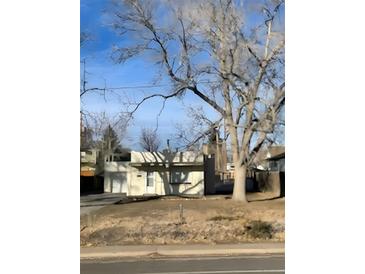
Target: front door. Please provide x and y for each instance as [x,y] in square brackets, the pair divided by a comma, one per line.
[150,182]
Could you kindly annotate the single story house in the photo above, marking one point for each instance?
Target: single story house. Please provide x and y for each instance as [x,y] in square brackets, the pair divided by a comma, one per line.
[156,173]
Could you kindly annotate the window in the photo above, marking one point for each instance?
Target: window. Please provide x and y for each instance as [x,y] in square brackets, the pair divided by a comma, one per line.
[273,165]
[180,177]
[150,178]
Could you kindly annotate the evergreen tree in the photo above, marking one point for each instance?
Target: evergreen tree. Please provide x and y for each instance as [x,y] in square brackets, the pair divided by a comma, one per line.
[111,143]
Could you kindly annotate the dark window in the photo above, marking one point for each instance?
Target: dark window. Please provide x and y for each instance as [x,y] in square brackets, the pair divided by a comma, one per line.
[150,178]
[180,177]
[273,165]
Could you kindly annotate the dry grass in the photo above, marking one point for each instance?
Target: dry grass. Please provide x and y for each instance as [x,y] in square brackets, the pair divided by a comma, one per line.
[203,221]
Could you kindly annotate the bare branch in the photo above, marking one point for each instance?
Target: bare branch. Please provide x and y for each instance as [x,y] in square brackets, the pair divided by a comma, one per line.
[202,134]
[149,140]
[165,97]
[91,89]
[208,100]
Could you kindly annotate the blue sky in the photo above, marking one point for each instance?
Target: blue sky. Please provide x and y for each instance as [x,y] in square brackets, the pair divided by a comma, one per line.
[101,70]
[136,72]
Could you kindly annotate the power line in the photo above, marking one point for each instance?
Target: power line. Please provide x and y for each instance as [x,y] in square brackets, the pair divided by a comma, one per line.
[139,87]
[154,86]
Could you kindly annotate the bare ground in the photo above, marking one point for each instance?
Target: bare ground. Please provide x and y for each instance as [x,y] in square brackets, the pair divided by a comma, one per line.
[203,221]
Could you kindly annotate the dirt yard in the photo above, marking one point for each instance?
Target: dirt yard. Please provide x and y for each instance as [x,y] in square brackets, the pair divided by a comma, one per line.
[184,221]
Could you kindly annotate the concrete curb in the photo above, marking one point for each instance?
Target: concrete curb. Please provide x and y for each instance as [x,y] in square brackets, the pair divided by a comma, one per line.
[180,250]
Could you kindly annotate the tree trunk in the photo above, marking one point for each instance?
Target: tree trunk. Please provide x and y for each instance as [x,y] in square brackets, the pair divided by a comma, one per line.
[239,187]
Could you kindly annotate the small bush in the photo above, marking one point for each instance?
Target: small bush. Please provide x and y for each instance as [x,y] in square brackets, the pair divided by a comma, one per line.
[178,234]
[259,229]
[222,218]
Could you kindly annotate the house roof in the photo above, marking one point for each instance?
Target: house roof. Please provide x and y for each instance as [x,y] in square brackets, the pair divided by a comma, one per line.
[183,158]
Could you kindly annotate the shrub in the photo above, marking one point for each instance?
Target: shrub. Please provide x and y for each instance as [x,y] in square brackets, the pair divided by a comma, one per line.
[259,229]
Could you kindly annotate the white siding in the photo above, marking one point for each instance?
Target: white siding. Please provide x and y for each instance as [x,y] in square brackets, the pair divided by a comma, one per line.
[136,179]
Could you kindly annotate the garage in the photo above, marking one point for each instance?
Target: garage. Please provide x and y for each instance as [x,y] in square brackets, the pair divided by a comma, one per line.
[119,182]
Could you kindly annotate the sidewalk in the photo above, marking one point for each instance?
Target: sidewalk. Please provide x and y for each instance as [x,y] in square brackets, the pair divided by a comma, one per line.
[181,250]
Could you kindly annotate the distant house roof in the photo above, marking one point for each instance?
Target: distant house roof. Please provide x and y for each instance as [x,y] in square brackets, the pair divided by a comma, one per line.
[183,158]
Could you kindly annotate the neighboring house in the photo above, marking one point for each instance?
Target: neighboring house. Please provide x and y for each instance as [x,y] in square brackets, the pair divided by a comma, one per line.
[90,181]
[88,159]
[271,159]
[277,162]
[156,173]
[220,174]
[270,172]
[230,171]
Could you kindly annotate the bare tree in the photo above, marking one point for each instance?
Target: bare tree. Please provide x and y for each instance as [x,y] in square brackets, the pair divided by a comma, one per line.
[197,129]
[84,38]
[149,140]
[108,131]
[214,51]
[86,138]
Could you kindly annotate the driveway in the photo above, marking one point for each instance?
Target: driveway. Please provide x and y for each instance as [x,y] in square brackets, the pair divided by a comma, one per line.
[90,203]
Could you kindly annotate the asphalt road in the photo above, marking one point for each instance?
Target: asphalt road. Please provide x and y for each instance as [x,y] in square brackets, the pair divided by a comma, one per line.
[198,265]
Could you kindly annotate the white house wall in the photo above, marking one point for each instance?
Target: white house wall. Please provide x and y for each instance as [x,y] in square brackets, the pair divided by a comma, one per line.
[136,179]
[195,187]
[137,183]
